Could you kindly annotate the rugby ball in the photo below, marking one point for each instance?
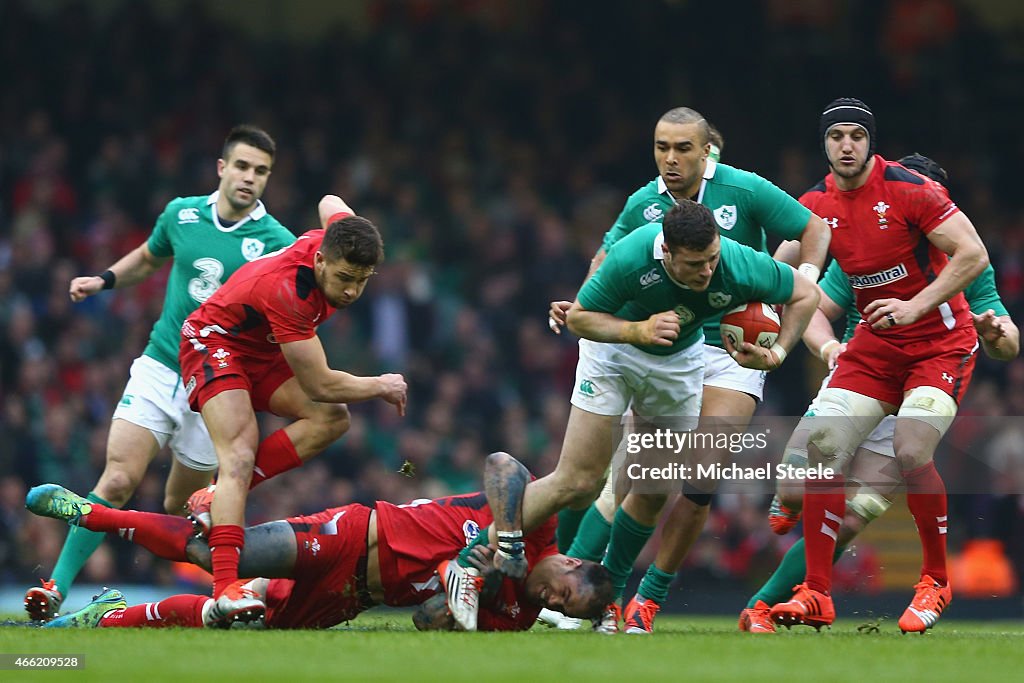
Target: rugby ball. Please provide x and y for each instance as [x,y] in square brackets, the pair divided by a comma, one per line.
[754,322]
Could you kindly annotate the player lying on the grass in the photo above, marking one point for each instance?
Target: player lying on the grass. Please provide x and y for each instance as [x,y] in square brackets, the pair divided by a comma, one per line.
[323,569]
[873,467]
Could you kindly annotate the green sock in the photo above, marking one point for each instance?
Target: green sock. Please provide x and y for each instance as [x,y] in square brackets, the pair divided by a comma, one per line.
[592,538]
[655,584]
[78,547]
[568,524]
[625,543]
[464,553]
[791,572]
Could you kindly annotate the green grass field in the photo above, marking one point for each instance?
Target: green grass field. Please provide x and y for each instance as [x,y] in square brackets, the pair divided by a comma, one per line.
[385,647]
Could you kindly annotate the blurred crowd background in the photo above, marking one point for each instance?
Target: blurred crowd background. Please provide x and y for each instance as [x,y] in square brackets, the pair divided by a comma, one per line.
[494,143]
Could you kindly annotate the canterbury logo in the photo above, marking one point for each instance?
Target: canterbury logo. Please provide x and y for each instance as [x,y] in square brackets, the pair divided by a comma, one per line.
[650,278]
[882,277]
[188,216]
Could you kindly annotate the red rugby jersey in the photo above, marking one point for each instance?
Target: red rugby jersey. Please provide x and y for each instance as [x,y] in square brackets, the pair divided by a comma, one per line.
[879,239]
[269,301]
[413,539]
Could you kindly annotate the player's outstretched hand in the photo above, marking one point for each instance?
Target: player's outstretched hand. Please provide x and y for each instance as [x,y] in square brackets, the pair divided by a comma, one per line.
[661,329]
[82,287]
[988,326]
[557,315]
[394,391]
[751,355]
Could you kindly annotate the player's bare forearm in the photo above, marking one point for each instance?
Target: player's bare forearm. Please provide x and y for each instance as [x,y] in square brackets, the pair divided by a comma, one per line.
[505,480]
[814,241]
[797,313]
[788,252]
[322,384]
[661,329]
[818,333]
[136,266]
[330,205]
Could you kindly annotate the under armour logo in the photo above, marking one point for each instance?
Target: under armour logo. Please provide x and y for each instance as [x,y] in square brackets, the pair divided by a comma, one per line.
[831,222]
[948,377]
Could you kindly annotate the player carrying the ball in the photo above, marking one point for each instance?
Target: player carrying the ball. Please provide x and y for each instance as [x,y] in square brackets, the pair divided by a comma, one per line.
[640,320]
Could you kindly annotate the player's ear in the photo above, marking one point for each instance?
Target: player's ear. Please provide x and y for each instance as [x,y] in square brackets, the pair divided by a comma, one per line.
[221,165]
[572,562]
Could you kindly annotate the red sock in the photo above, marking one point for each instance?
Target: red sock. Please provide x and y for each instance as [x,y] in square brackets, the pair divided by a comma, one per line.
[177,610]
[226,543]
[824,507]
[276,454]
[164,535]
[926,498]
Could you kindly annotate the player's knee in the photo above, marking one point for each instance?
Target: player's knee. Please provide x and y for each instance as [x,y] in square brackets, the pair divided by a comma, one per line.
[929,405]
[335,419]
[116,486]
[841,421]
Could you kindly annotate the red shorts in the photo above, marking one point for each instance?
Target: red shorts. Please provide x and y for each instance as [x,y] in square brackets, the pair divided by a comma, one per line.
[886,369]
[328,584]
[218,366]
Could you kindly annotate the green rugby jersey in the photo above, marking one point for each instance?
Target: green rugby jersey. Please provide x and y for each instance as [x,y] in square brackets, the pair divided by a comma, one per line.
[205,254]
[633,284]
[981,295]
[744,204]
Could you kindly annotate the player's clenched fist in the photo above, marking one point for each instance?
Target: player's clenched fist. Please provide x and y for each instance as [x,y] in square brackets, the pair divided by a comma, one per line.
[661,329]
[82,287]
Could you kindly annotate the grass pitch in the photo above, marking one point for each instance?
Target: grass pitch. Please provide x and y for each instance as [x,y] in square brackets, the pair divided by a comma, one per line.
[383,646]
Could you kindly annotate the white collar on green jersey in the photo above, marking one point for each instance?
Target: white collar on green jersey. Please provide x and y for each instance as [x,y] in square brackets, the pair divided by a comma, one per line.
[709,172]
[257,213]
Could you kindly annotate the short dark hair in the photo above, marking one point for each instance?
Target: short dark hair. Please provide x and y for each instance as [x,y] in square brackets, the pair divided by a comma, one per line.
[687,115]
[689,225]
[595,577]
[250,135]
[354,239]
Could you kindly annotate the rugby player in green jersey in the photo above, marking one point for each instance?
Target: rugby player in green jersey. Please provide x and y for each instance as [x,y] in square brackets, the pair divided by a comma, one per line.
[745,207]
[640,319]
[208,237]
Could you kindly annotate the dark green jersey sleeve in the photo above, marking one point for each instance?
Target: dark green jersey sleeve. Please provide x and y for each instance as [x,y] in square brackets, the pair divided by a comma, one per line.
[836,285]
[982,294]
[778,212]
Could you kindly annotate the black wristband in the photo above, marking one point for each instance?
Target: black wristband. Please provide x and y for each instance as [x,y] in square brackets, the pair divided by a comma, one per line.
[109,279]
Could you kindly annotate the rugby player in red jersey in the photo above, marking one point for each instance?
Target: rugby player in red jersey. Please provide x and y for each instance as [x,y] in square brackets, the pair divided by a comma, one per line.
[252,346]
[908,252]
[323,569]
